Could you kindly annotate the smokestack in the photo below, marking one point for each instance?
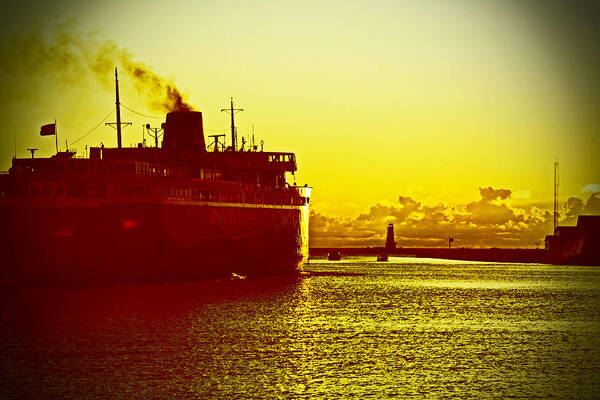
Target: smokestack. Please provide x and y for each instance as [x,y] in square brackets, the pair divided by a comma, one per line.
[184,131]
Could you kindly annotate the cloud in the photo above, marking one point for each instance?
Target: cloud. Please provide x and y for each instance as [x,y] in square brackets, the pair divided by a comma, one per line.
[592,206]
[490,221]
[574,206]
[522,194]
[592,187]
[489,193]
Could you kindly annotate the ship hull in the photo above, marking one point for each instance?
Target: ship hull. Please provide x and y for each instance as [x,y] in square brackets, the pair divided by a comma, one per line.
[105,243]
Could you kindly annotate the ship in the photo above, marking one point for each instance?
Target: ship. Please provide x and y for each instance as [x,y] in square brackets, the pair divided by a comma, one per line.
[382,257]
[176,212]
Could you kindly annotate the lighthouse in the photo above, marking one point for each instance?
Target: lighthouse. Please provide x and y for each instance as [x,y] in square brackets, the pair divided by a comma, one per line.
[390,244]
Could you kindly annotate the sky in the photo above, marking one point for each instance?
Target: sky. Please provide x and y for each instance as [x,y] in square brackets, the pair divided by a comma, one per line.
[407,112]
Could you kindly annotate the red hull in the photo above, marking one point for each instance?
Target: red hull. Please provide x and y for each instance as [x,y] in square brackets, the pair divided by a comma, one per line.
[149,242]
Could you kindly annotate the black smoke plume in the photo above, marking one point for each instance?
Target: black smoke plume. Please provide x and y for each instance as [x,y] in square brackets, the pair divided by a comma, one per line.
[68,55]
[161,94]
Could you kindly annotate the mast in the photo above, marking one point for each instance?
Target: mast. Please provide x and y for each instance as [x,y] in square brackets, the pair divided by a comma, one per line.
[232,111]
[56,135]
[555,196]
[233,135]
[118,105]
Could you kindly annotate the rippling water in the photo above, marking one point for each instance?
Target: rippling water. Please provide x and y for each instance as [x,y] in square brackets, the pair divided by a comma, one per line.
[406,328]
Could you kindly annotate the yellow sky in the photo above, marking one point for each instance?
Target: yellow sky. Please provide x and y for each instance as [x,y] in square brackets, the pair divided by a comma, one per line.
[377,99]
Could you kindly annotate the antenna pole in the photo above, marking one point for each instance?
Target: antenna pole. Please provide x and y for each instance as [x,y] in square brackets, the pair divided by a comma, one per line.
[118,124]
[118,105]
[555,196]
[232,111]
[56,135]
[233,132]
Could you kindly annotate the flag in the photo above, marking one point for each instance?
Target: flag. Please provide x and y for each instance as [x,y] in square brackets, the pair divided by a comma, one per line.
[48,130]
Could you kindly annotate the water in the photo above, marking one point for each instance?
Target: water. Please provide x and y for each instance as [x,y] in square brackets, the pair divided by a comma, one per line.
[406,328]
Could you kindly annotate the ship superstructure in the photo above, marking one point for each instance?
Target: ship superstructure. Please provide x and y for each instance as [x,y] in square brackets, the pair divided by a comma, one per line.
[148,213]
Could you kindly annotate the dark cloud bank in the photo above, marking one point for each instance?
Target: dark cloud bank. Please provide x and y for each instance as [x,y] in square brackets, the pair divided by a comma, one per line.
[492,221]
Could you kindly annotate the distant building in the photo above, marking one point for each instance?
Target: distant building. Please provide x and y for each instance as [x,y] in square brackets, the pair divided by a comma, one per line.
[576,244]
[390,244]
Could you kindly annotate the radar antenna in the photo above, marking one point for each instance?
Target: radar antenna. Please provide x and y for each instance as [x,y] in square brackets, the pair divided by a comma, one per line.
[216,142]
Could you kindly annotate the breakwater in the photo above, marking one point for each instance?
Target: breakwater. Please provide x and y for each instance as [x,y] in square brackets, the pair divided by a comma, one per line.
[471,254]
